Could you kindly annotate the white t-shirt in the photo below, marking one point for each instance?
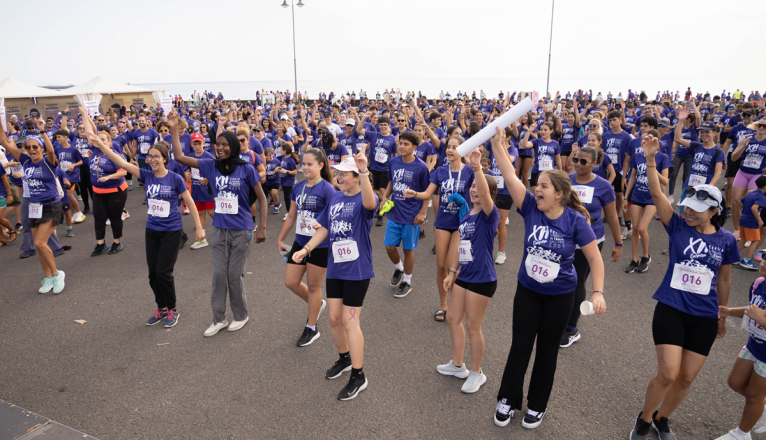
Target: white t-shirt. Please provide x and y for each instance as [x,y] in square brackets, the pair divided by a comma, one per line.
[335,129]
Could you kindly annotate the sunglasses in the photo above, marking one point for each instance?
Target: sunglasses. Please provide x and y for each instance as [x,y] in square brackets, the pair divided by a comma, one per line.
[701,195]
[402,120]
[592,125]
[31,147]
[747,114]
[580,161]
[241,140]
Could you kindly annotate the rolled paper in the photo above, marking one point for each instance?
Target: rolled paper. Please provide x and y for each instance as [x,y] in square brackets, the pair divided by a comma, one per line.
[2,118]
[503,121]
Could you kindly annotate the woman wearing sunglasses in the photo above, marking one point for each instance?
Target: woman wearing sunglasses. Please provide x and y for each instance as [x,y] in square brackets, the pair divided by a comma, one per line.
[752,151]
[697,282]
[45,210]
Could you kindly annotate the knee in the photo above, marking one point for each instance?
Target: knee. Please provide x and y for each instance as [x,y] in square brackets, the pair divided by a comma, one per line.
[473,327]
[292,283]
[666,378]
[335,320]
[40,243]
[350,325]
[454,319]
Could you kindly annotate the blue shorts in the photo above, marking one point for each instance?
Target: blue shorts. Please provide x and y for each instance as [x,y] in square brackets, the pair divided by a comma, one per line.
[407,235]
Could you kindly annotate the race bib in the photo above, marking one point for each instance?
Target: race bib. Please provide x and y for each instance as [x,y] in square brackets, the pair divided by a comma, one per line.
[195,174]
[696,179]
[546,164]
[303,226]
[158,208]
[226,205]
[585,193]
[612,157]
[345,250]
[35,210]
[692,279]
[64,164]
[500,182]
[144,147]
[381,157]
[753,161]
[540,269]
[753,327]
[464,252]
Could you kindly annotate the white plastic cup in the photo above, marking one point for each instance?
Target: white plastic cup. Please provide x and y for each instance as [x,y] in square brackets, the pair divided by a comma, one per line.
[586,308]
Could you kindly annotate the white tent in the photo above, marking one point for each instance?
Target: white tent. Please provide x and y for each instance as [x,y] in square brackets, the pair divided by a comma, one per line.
[12,88]
[103,86]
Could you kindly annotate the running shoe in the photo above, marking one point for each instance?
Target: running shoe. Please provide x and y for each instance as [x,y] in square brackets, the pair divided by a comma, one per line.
[758,256]
[18,227]
[473,382]
[656,216]
[503,413]
[186,210]
[380,221]
[728,212]
[27,254]
[643,266]
[666,251]
[662,426]
[47,285]
[449,369]
[59,252]
[352,389]
[116,247]
[100,249]
[671,199]
[340,367]
[69,232]
[184,239]
[125,215]
[747,263]
[215,328]
[108,222]
[236,325]
[533,419]
[569,338]
[626,233]
[172,318]
[79,198]
[277,208]
[397,278]
[80,217]
[199,244]
[58,282]
[631,267]
[66,248]
[733,435]
[403,290]
[308,337]
[285,217]
[748,243]
[760,425]
[158,316]
[500,258]
[130,182]
[86,211]
[433,250]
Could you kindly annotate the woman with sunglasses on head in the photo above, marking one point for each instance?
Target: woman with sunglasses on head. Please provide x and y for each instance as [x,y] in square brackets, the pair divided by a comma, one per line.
[697,282]
[163,224]
[231,179]
[45,210]
[310,198]
[555,223]
[752,150]
[596,194]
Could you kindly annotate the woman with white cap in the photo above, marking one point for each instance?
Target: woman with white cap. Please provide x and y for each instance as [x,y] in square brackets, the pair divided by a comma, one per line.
[697,282]
[347,220]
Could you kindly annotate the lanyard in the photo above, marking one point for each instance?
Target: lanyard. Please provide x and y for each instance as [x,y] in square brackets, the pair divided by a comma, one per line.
[300,208]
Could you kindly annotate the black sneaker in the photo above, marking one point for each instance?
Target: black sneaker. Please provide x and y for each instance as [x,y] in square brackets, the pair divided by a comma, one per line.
[58,252]
[397,278]
[631,267]
[640,429]
[100,249]
[662,426]
[308,337]
[403,290]
[503,413]
[86,211]
[184,239]
[422,233]
[352,389]
[18,227]
[532,422]
[340,367]
[433,250]
[569,338]
[644,265]
[116,247]
[380,221]
[27,254]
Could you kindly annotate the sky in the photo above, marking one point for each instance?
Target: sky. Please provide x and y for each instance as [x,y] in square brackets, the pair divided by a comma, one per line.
[609,43]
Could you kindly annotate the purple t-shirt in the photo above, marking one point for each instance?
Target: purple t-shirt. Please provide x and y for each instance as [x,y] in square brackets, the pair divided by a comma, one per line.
[640,192]
[66,157]
[101,166]
[594,195]
[753,157]
[200,193]
[748,220]
[424,150]
[236,185]
[479,229]
[545,153]
[162,200]
[287,163]
[703,163]
[382,149]
[144,141]
[40,180]
[403,175]
[448,183]
[271,175]
[309,204]
[334,156]
[615,146]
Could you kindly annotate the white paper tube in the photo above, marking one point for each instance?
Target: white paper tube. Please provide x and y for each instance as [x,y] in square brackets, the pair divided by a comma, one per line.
[2,119]
[503,121]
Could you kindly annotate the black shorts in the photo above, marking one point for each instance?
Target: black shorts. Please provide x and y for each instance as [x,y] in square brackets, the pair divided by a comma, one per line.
[504,201]
[483,289]
[565,153]
[352,292]
[267,188]
[671,326]
[54,212]
[643,205]
[65,207]
[533,179]
[732,166]
[379,179]
[722,138]
[318,256]
[455,230]
[617,184]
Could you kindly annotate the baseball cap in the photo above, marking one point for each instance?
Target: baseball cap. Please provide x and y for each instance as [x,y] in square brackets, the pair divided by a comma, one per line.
[326,114]
[350,122]
[712,201]
[258,128]
[348,164]
[707,125]
[284,118]
[197,137]
[664,122]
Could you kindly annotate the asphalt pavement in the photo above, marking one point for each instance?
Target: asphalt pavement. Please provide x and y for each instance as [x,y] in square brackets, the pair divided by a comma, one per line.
[115,378]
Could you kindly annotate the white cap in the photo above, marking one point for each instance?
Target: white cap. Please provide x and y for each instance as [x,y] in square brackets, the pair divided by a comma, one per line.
[348,164]
[350,122]
[284,117]
[714,201]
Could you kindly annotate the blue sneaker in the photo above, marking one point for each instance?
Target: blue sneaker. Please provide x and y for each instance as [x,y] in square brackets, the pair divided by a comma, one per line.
[70,232]
[172,318]
[748,264]
[159,315]
[58,282]
[276,208]
[47,285]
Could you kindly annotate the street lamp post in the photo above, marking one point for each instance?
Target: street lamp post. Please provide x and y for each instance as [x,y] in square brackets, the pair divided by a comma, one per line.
[550,45]
[295,62]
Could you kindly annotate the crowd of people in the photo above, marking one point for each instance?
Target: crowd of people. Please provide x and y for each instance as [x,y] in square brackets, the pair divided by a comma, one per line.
[570,166]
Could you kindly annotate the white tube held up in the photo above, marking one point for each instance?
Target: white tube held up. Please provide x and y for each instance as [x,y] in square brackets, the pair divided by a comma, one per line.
[503,121]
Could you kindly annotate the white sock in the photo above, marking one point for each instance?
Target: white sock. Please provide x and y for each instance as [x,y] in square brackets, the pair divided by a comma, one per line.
[312,327]
[741,433]
[407,278]
[399,266]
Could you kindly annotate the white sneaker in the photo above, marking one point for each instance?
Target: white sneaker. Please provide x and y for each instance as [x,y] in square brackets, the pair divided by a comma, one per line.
[449,369]
[284,218]
[474,382]
[130,182]
[500,259]
[671,200]
[748,243]
[215,328]
[507,221]
[125,215]
[321,309]
[108,222]
[732,435]
[236,325]
[430,203]
[760,425]
[199,244]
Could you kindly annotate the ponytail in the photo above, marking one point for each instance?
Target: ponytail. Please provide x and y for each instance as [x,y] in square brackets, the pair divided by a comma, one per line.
[563,184]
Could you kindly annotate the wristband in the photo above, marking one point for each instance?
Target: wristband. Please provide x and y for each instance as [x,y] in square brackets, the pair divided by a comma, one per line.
[476,168]
[452,270]
[599,291]
[365,174]
[619,245]
[309,249]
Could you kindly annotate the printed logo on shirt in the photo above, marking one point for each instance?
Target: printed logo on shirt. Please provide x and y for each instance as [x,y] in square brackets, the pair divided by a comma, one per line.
[699,250]
[466,230]
[544,234]
[156,190]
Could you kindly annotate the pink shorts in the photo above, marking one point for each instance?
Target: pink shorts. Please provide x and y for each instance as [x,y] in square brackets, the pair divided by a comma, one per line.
[744,180]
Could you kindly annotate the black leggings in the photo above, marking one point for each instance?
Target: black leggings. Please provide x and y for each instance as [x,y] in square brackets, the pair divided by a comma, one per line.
[677,162]
[84,185]
[534,316]
[583,270]
[161,255]
[109,206]
[287,190]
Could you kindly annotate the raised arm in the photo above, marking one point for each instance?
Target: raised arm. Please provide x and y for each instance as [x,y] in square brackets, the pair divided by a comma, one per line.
[368,195]
[114,157]
[473,159]
[9,145]
[651,146]
[681,114]
[515,186]
[178,152]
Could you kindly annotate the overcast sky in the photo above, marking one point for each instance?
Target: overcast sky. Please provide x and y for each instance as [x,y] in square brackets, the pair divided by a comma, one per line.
[149,41]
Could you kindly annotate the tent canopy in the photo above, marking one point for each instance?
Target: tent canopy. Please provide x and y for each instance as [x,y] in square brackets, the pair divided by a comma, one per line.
[103,86]
[12,88]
